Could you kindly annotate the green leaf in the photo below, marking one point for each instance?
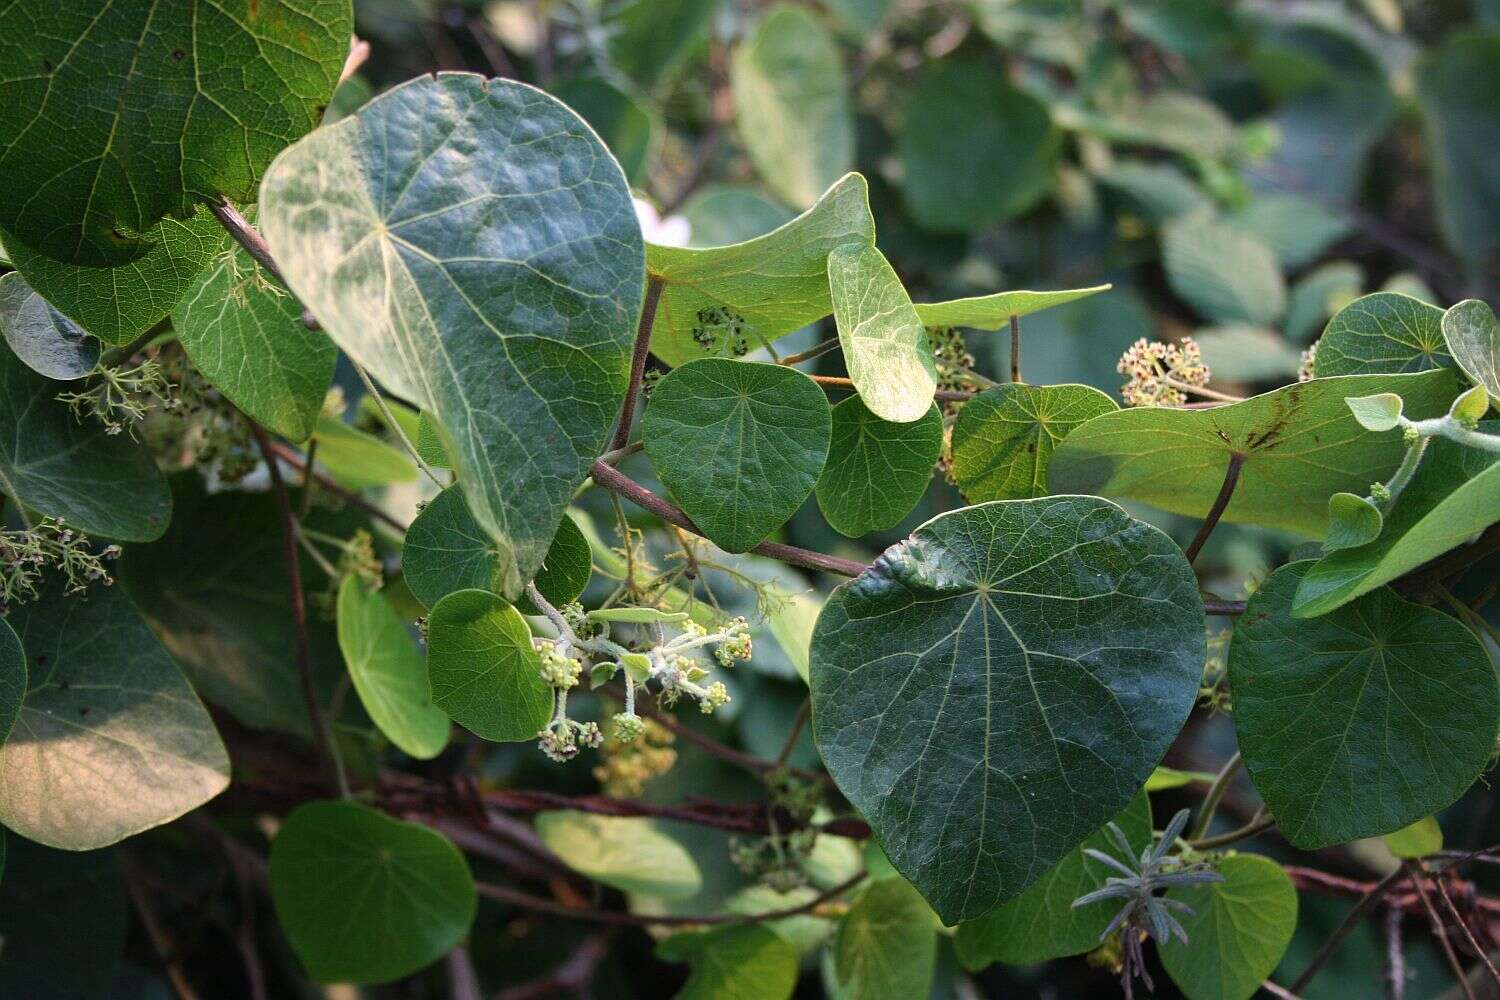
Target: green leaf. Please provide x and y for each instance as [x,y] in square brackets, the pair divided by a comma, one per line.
[620,121]
[111,740]
[120,304]
[1164,778]
[1003,656]
[1352,522]
[774,283]
[47,341]
[877,471]
[1041,923]
[432,443]
[357,460]
[64,917]
[365,898]
[457,217]
[1318,295]
[1224,274]
[1380,333]
[1472,336]
[746,962]
[1380,412]
[650,40]
[388,672]
[886,947]
[12,682]
[113,118]
[1362,721]
[637,616]
[974,150]
[1005,437]
[624,852]
[1458,92]
[1168,119]
[722,214]
[1158,191]
[1240,352]
[483,669]
[739,444]
[1470,407]
[1301,445]
[1237,931]
[245,335]
[884,342]
[1418,840]
[792,625]
[1297,229]
[792,105]
[991,312]
[68,468]
[1454,495]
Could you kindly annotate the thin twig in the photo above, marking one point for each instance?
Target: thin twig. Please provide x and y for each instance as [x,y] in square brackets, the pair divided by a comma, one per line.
[1214,606]
[176,975]
[815,351]
[1350,921]
[1260,824]
[1463,924]
[1226,491]
[463,981]
[1438,930]
[1279,991]
[1015,348]
[942,395]
[654,285]
[297,461]
[803,714]
[395,425]
[1395,956]
[246,236]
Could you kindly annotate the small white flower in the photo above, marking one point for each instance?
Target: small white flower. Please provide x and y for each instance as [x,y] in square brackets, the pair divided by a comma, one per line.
[673,231]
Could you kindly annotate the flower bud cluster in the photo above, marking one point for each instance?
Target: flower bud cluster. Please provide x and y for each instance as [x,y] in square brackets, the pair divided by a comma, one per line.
[1160,373]
[25,557]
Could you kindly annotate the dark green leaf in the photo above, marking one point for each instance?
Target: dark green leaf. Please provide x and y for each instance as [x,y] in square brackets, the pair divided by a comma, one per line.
[887,944]
[877,471]
[1237,931]
[651,39]
[1005,437]
[1458,91]
[64,918]
[388,671]
[621,122]
[885,344]
[1382,333]
[624,852]
[1032,659]
[1159,191]
[49,342]
[12,679]
[1223,273]
[744,963]
[1472,336]
[365,898]
[991,312]
[114,117]
[483,669]
[455,217]
[1362,721]
[111,739]
[740,444]
[1297,229]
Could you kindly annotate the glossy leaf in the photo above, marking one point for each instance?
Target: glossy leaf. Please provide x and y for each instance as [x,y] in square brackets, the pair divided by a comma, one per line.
[886,947]
[1380,333]
[245,334]
[364,898]
[483,669]
[1237,931]
[792,104]
[747,961]
[992,312]
[1041,923]
[624,852]
[454,217]
[47,341]
[1472,336]
[1005,437]
[877,471]
[1362,721]
[1301,445]
[111,740]
[388,672]
[64,917]
[112,118]
[1224,274]
[774,283]
[1033,659]
[884,342]
[72,469]
[739,444]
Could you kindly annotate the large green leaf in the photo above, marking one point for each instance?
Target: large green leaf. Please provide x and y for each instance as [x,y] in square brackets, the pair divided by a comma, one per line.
[650,40]
[483,669]
[991,312]
[886,947]
[1454,495]
[12,679]
[792,104]
[388,671]
[885,344]
[615,115]
[1301,445]
[1237,930]
[365,898]
[1295,228]
[1362,721]
[49,342]
[119,304]
[473,244]
[73,469]
[1005,436]
[1041,923]
[749,962]
[877,471]
[767,286]
[64,917]
[723,214]
[114,116]
[245,334]
[974,150]
[1382,333]
[1458,91]
[1030,659]
[740,444]
[625,852]
[1225,274]
[111,740]
[1473,338]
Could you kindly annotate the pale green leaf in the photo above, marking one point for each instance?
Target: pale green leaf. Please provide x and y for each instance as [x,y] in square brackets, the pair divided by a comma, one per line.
[1243,352]
[792,625]
[1296,228]
[886,947]
[885,343]
[624,852]
[49,342]
[1005,437]
[1158,191]
[1380,412]
[1380,333]
[358,460]
[627,615]
[483,669]
[1165,778]
[1471,407]
[1237,930]
[1167,119]
[1224,274]
[1418,840]
[991,312]
[747,962]
[1472,336]
[877,471]
[723,214]
[1352,521]
[388,672]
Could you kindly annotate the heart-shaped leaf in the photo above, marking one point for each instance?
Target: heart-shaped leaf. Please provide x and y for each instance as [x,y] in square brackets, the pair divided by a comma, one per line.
[1237,930]
[388,671]
[452,218]
[991,312]
[1382,333]
[1473,338]
[1301,444]
[51,344]
[483,669]
[1362,721]
[1223,273]
[749,961]
[625,852]
[887,944]
[740,444]
[1352,521]
[1031,660]
[111,740]
[877,471]
[1004,437]
[365,898]
[885,345]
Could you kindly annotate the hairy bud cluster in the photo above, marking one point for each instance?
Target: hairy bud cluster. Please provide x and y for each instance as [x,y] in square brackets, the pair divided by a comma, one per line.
[1160,373]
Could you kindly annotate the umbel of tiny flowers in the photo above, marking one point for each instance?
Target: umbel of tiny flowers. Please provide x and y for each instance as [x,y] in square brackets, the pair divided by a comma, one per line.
[1144,913]
[25,557]
[119,398]
[1161,374]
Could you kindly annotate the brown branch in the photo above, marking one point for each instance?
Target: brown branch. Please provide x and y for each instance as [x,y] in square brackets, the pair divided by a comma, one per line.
[1015,348]
[1351,920]
[246,236]
[297,461]
[1395,955]
[1463,925]
[1438,930]
[942,395]
[162,944]
[1226,491]
[815,351]
[803,714]
[1214,606]
[654,285]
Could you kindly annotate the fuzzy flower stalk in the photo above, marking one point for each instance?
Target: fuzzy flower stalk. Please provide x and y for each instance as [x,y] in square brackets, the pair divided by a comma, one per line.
[1161,374]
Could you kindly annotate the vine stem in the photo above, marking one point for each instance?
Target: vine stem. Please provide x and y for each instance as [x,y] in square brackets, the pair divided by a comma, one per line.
[654,285]
[1260,824]
[1015,348]
[1438,930]
[322,732]
[1215,606]
[395,425]
[1226,492]
[303,464]
[246,236]
[942,395]
[815,351]
[1463,924]
[1214,796]
[1351,920]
